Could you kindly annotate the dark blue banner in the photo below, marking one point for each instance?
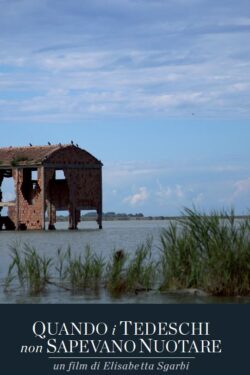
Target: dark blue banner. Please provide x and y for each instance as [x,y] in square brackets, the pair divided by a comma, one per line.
[179,339]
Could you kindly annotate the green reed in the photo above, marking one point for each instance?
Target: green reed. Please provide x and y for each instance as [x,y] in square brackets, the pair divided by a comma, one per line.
[29,269]
[208,252]
[80,271]
[180,259]
[141,271]
[128,273]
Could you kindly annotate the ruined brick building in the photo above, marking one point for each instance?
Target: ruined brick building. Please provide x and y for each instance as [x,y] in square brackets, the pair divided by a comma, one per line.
[49,179]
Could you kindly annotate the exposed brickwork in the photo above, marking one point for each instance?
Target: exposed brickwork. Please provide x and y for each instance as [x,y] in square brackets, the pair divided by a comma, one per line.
[29,212]
[80,190]
[9,156]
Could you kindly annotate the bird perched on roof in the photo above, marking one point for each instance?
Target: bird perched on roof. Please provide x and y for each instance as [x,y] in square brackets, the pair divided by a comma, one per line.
[72,142]
[49,143]
[30,145]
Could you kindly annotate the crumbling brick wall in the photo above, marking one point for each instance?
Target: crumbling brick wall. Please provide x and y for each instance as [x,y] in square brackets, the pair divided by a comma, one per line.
[29,210]
[80,190]
[82,186]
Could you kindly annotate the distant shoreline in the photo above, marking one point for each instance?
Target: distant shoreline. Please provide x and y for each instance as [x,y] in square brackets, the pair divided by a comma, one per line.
[136,218]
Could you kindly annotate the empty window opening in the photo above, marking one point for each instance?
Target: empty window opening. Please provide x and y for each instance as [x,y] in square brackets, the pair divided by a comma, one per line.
[88,215]
[30,187]
[62,219]
[59,174]
[3,211]
[8,190]
[88,219]
[62,215]
[34,175]
[7,195]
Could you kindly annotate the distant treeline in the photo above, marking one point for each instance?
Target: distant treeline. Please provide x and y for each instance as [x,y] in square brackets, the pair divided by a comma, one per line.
[109,216]
[89,216]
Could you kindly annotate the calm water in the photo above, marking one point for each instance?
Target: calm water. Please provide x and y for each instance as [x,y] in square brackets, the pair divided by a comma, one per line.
[114,235]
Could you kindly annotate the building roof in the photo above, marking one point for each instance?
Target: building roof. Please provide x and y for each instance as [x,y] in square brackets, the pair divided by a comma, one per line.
[29,156]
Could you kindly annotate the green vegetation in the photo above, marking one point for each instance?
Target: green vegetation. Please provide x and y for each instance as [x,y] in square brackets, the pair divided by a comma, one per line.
[87,271]
[207,252]
[211,253]
[131,274]
[15,161]
[29,269]
[80,272]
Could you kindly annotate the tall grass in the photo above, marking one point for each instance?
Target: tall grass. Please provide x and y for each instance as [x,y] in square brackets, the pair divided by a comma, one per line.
[80,271]
[29,269]
[131,273]
[198,251]
[180,258]
[209,252]
[141,271]
[122,274]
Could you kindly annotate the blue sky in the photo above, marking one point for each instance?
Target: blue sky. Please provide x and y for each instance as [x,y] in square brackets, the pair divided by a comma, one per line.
[159,90]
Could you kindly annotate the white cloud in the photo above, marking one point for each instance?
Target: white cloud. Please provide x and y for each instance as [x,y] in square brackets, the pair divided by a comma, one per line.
[169,192]
[238,195]
[136,173]
[74,61]
[168,187]
[129,82]
[139,197]
[242,187]
[240,87]
[199,73]
[177,99]
[179,191]
[164,193]
[122,173]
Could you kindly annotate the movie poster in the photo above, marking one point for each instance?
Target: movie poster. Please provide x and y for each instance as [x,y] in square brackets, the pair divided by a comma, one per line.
[124,186]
